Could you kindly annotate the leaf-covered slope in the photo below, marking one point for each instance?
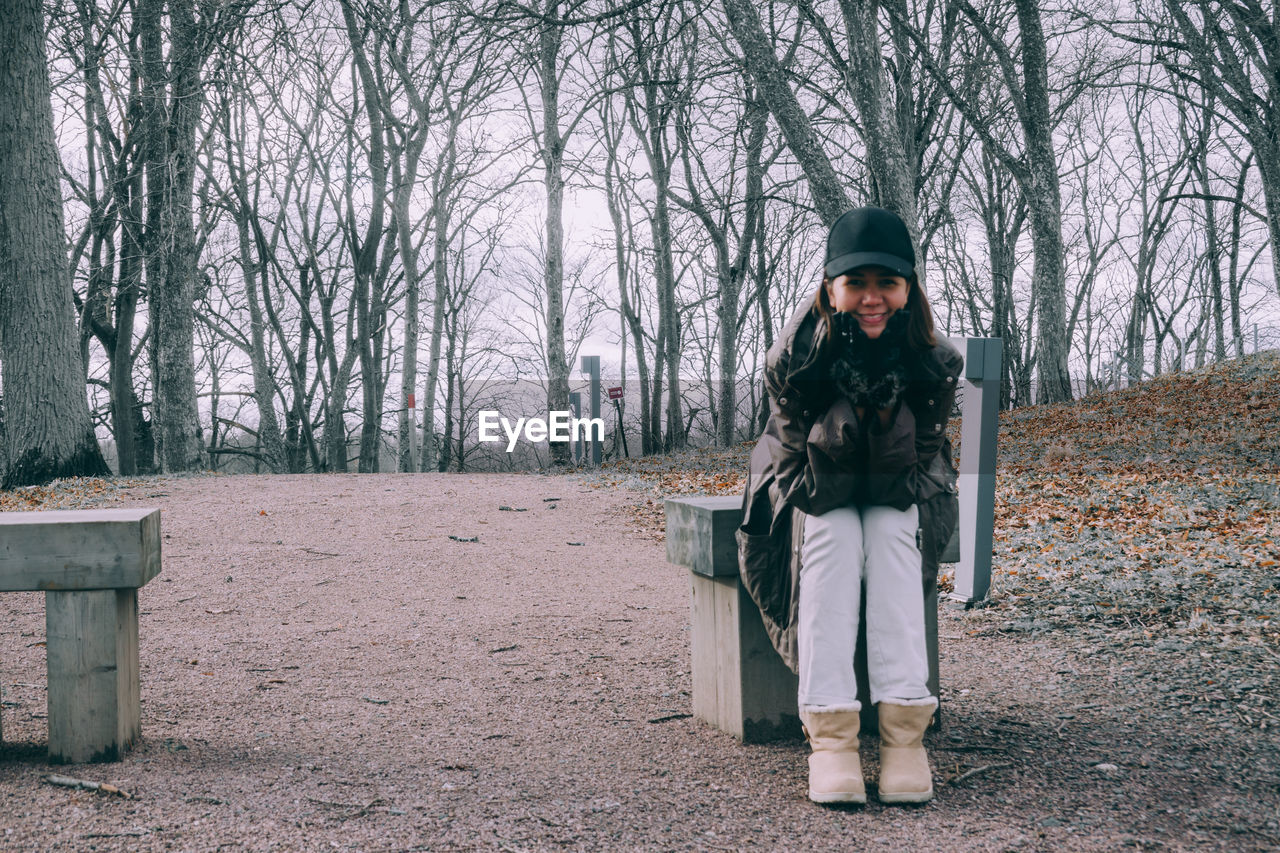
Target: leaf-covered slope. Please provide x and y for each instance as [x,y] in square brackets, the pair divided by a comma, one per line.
[1223,416]
[1151,508]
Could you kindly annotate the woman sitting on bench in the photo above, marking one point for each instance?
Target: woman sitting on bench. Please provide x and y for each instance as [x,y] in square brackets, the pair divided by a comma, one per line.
[860,392]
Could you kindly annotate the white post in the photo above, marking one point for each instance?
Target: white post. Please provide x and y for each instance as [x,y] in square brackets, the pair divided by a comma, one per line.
[591,367]
[979,421]
[575,403]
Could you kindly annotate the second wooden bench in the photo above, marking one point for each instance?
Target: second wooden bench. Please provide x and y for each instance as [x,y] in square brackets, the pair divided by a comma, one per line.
[90,564]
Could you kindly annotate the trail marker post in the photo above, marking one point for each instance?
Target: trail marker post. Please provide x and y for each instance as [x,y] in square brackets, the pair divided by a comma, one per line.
[591,369]
[615,394]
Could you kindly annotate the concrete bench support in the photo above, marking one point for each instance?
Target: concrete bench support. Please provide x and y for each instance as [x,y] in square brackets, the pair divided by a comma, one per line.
[90,564]
[92,640]
[740,685]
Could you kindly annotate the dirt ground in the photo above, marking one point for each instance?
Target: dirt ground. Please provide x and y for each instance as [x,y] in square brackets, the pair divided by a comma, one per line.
[323,667]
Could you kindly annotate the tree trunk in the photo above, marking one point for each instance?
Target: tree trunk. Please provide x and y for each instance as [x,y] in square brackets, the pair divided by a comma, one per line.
[1048,277]
[734,272]
[264,385]
[650,119]
[825,185]
[155,156]
[1233,258]
[173,266]
[1213,249]
[364,254]
[47,431]
[442,187]
[299,436]
[460,454]
[440,259]
[111,318]
[726,402]
[1269,169]
[335,428]
[670,320]
[549,38]
[125,414]
[407,445]
[668,314]
[1003,212]
[123,427]
[883,138]
[378,350]
[450,377]
[766,317]
[630,318]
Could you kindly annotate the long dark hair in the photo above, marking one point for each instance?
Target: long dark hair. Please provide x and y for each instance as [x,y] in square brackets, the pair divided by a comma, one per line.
[919,327]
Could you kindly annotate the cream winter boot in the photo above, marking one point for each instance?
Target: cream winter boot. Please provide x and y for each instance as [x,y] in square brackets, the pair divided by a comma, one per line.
[835,773]
[904,766]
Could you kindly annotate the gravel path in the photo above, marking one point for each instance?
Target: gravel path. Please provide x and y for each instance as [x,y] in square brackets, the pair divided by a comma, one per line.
[323,667]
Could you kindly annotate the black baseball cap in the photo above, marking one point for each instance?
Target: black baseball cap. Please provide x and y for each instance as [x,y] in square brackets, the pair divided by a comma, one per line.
[869,236]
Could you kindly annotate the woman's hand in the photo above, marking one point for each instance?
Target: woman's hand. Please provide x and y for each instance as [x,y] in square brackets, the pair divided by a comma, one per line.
[871,373]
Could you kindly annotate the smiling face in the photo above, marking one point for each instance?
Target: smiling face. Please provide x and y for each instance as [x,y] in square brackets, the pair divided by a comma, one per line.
[871,294]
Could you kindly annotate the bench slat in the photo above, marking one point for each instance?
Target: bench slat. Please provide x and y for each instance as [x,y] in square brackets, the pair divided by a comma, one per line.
[79,549]
[700,534]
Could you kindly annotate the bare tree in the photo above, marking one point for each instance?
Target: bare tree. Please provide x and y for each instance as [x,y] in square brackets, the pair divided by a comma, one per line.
[474,351]
[303,237]
[1235,50]
[446,89]
[551,37]
[654,88]
[761,60]
[910,140]
[552,139]
[618,183]
[1032,162]
[1152,176]
[1095,218]
[109,244]
[46,414]
[726,220]
[173,98]
[255,252]
[1001,207]
[370,275]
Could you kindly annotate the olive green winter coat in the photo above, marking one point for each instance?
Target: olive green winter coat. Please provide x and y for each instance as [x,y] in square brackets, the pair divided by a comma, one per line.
[815,455]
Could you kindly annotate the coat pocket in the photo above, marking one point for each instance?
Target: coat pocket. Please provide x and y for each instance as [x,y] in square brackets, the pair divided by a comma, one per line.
[939,516]
[765,572]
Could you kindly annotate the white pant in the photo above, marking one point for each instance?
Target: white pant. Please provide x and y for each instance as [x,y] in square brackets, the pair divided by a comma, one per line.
[843,548]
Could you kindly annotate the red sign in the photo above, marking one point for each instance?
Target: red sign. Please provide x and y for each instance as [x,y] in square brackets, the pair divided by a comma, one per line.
[615,393]
[411,401]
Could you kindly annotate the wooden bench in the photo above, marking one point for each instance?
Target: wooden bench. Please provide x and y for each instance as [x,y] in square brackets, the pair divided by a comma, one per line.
[90,564]
[740,684]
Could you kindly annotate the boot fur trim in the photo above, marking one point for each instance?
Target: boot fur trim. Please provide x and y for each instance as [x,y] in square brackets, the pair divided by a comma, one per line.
[930,701]
[831,709]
